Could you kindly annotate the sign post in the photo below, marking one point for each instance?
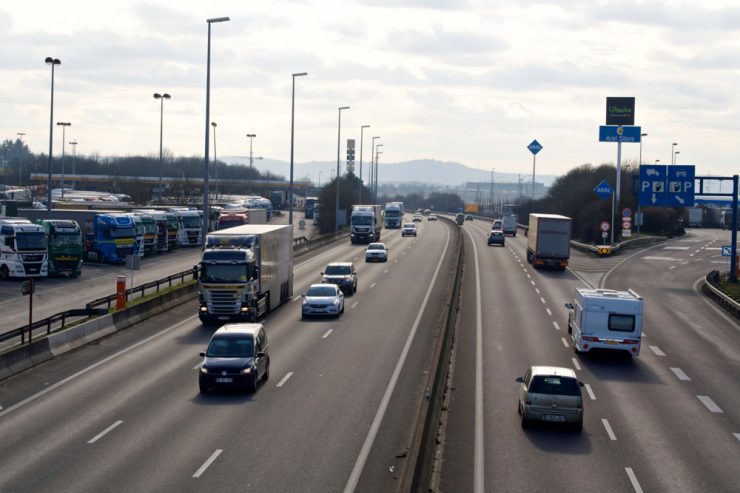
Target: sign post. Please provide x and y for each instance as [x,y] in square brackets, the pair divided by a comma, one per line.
[534,147]
[28,287]
[604,190]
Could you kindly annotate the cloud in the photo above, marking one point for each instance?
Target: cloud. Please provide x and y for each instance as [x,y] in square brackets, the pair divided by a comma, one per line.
[684,17]
[441,42]
[420,4]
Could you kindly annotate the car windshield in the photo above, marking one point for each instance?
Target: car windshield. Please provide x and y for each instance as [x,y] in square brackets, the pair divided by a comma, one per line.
[554,384]
[338,270]
[409,226]
[230,347]
[322,291]
[376,246]
[223,273]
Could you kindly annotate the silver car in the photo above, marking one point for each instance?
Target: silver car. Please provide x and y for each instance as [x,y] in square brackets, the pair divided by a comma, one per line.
[550,394]
[323,300]
[376,252]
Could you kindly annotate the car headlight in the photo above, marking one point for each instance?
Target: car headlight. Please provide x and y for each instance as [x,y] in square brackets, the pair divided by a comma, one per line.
[247,371]
[336,302]
[204,370]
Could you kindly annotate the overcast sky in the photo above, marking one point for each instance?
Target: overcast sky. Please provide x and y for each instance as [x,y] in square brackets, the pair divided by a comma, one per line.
[455,80]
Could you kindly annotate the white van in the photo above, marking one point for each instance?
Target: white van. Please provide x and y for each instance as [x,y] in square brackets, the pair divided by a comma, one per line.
[605,318]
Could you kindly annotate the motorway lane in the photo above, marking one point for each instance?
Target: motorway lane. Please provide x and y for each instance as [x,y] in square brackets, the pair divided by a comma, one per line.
[157,432]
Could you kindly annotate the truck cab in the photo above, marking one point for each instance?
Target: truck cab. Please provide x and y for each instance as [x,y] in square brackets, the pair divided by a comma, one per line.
[23,249]
[64,239]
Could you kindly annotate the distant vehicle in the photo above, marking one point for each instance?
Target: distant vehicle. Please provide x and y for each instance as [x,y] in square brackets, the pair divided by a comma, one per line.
[408,229]
[237,357]
[190,226]
[416,218]
[496,237]
[393,214]
[548,241]
[497,224]
[550,394]
[23,249]
[150,233]
[323,299]
[376,252]
[309,207]
[432,217]
[726,218]
[343,274]
[606,319]
[277,198]
[695,217]
[468,217]
[460,218]
[427,212]
[64,238]
[366,223]
[509,225]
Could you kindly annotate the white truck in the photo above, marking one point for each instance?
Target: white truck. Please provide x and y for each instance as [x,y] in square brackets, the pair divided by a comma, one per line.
[23,249]
[606,319]
[245,271]
[190,225]
[366,223]
[393,214]
[548,241]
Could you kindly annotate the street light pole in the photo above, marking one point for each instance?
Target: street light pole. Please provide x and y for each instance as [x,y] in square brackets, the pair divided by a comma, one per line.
[359,196]
[73,143]
[20,162]
[371,174]
[215,159]
[375,179]
[64,126]
[673,154]
[292,130]
[51,61]
[161,98]
[339,132]
[206,208]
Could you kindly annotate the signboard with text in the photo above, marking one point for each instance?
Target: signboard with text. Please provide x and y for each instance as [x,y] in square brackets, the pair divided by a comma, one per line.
[662,185]
[613,133]
[620,111]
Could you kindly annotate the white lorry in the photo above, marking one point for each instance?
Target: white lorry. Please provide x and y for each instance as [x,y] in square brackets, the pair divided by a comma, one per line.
[393,214]
[245,271]
[548,241]
[366,222]
[606,319]
[23,249]
[190,225]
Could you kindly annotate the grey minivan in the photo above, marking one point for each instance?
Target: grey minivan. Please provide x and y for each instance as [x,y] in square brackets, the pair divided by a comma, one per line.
[237,357]
[550,394]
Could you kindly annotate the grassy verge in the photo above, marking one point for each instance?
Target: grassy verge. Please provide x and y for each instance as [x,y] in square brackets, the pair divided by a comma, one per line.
[729,288]
[155,294]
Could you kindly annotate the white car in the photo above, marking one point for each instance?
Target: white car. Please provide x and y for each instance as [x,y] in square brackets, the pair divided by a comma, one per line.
[322,300]
[408,229]
[376,252]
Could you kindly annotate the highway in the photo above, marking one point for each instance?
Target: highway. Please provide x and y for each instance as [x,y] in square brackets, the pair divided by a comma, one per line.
[666,420]
[337,414]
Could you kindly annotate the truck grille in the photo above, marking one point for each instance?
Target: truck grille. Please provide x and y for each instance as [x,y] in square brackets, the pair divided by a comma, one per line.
[32,257]
[31,268]
[65,265]
[224,302]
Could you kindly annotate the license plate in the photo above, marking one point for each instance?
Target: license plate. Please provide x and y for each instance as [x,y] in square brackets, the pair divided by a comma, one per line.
[224,380]
[553,417]
[223,318]
[609,341]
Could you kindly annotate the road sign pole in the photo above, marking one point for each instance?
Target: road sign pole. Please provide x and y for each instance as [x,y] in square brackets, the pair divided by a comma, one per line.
[733,248]
[612,229]
[534,161]
[615,205]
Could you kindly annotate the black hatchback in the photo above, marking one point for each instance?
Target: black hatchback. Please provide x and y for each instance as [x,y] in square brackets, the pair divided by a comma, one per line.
[237,357]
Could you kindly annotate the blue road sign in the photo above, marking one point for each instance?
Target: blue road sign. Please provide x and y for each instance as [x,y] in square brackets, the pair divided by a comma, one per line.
[652,184]
[614,133]
[726,251]
[603,190]
[680,186]
[534,147]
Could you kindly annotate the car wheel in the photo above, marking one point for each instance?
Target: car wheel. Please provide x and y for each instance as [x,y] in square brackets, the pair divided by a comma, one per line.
[266,376]
[525,421]
[342,310]
[354,289]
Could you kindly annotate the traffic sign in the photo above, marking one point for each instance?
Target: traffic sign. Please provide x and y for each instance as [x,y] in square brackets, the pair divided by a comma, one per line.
[626,225]
[680,186]
[605,226]
[615,133]
[605,250]
[652,184]
[603,190]
[626,233]
[626,212]
[534,147]
[726,251]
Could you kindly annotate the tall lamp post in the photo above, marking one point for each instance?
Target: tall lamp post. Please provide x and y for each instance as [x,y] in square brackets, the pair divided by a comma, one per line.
[20,162]
[375,177]
[161,98]
[675,156]
[292,130]
[251,169]
[215,159]
[359,196]
[73,143]
[51,61]
[206,208]
[339,131]
[371,174]
[64,126]
[673,152]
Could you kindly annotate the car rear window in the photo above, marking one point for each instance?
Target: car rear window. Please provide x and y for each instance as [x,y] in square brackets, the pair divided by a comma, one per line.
[621,323]
[553,384]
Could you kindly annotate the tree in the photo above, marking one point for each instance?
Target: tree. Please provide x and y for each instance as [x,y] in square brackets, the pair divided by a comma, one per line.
[348,194]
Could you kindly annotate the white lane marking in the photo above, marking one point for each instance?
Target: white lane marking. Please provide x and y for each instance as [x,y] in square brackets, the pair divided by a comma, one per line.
[691,254]
[671,267]
[609,431]
[479,450]
[532,283]
[684,263]
[713,248]
[355,258]
[207,463]
[557,327]
[543,300]
[737,435]
[656,350]
[372,285]
[104,432]
[285,379]
[92,367]
[537,290]
[385,271]
[680,374]
[633,480]
[565,343]
[576,364]
[590,391]
[395,261]
[675,248]
[719,311]
[528,276]
[525,269]
[548,311]
[354,304]
[198,366]
[709,403]
[354,476]
[326,334]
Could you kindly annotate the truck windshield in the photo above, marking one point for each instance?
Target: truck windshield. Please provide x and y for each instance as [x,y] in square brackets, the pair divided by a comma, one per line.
[30,241]
[122,233]
[191,222]
[223,273]
[392,213]
[65,239]
[229,223]
[150,228]
[362,220]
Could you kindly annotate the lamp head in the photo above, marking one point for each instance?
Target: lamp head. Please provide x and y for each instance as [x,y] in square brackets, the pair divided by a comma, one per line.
[217,19]
[52,61]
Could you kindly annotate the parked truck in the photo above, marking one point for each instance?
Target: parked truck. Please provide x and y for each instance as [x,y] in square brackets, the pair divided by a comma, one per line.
[245,272]
[189,226]
[393,214]
[606,319]
[366,223]
[23,249]
[548,241]
[240,217]
[149,245]
[64,240]
[694,217]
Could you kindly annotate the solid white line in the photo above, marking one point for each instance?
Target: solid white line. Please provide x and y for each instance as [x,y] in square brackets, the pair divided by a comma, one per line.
[590,391]
[576,364]
[285,379]
[557,327]
[354,304]
[207,463]
[565,343]
[91,367]
[713,305]
[372,285]
[680,374]
[548,311]
[633,480]
[104,432]
[709,403]
[656,350]
[326,334]
[609,431]
[354,477]
[479,451]
[542,300]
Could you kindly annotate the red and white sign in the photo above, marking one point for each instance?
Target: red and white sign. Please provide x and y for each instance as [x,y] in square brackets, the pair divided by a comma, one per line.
[605,226]
[626,225]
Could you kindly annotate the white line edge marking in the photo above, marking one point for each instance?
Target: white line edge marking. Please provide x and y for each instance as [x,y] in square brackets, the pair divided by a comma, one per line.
[709,403]
[633,480]
[557,327]
[548,311]
[609,430]
[104,432]
[590,391]
[285,379]
[479,450]
[380,413]
[713,305]
[680,374]
[576,364]
[656,350]
[565,343]
[207,463]
[354,304]
[90,368]
[327,333]
[372,285]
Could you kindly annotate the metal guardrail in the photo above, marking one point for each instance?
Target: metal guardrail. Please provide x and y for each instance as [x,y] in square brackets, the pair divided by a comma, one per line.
[143,288]
[56,321]
[710,288]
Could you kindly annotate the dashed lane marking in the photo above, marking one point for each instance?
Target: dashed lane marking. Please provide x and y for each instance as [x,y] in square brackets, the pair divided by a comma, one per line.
[565,342]
[633,480]
[354,304]
[709,403]
[557,327]
[576,364]
[207,463]
[656,350]
[105,432]
[680,374]
[609,430]
[590,391]
[285,379]
[548,311]
[326,334]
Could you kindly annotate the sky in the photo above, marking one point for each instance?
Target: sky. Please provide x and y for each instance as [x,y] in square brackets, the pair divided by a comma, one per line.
[470,81]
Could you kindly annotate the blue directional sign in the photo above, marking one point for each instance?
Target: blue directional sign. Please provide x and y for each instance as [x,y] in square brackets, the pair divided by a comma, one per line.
[680,186]
[603,190]
[534,147]
[726,250]
[614,133]
[652,184]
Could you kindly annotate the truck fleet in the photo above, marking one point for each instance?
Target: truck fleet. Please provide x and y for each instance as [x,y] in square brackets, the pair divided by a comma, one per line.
[548,241]
[366,223]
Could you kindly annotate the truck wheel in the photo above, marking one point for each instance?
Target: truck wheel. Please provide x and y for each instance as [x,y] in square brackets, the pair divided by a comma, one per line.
[4,274]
